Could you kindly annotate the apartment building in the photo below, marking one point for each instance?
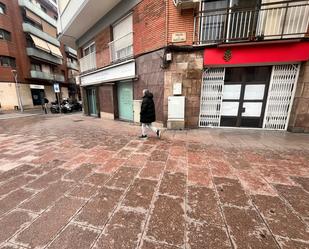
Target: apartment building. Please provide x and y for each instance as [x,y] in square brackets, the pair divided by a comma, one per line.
[212,63]
[31,54]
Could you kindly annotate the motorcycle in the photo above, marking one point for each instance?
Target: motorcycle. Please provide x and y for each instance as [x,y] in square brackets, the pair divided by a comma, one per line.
[65,107]
[76,106]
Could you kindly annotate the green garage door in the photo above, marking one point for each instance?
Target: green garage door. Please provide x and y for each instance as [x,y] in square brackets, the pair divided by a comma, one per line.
[125,101]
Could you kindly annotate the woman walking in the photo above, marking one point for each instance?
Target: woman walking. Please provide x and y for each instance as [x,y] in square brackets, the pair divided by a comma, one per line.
[148,115]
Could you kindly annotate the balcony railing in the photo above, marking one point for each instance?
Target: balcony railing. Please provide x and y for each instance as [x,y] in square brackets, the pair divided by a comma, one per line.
[28,28]
[41,55]
[280,20]
[121,48]
[46,76]
[73,65]
[88,62]
[38,11]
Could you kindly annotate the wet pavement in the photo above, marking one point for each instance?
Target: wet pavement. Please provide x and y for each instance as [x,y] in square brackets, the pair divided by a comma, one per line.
[69,181]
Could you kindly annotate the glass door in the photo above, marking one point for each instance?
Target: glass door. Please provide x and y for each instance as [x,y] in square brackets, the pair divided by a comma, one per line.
[125,100]
[92,103]
[244,96]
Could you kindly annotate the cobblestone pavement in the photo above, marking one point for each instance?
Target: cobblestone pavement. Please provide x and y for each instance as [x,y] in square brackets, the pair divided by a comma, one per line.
[77,182]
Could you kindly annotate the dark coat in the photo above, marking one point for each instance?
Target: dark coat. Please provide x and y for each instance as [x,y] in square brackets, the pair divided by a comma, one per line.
[148,112]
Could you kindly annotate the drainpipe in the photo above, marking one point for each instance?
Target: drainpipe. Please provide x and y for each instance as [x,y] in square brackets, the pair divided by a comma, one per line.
[166,22]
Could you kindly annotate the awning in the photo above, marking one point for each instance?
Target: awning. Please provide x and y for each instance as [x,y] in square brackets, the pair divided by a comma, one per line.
[264,54]
[40,44]
[55,50]
[122,71]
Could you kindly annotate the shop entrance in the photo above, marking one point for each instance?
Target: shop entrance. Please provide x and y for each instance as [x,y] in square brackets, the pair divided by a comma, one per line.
[244,96]
[92,102]
[125,100]
[37,96]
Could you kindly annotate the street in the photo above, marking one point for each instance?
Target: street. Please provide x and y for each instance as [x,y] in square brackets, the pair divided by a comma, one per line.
[71,181]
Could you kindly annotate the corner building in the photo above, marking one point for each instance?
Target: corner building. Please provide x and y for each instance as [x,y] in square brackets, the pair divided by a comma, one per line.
[29,46]
[227,63]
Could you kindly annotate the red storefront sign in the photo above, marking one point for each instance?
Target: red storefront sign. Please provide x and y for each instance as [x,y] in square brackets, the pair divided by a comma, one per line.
[257,54]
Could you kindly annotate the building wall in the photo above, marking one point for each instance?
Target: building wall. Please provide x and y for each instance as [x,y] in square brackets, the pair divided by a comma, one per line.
[8,96]
[12,22]
[149,26]
[180,21]
[102,49]
[64,92]
[151,76]
[187,68]
[299,119]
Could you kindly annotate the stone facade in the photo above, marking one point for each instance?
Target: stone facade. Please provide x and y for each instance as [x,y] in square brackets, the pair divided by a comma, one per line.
[299,119]
[187,68]
[151,76]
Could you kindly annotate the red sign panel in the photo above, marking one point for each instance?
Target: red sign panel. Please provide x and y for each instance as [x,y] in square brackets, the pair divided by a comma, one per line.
[257,54]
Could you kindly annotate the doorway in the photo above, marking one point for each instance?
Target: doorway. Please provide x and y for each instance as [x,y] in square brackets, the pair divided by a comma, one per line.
[37,96]
[92,102]
[244,96]
[125,100]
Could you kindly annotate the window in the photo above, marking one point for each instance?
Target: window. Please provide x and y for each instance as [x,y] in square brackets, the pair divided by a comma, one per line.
[36,67]
[89,49]
[2,8]
[71,60]
[6,61]
[122,46]
[5,35]
[44,9]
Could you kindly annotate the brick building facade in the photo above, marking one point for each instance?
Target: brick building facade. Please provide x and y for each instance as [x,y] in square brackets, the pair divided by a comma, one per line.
[37,56]
[204,47]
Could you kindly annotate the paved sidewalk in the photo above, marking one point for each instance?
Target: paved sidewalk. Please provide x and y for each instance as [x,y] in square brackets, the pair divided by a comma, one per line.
[78,182]
[17,114]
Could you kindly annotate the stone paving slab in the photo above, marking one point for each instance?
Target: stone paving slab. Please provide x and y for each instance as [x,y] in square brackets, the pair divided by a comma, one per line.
[98,186]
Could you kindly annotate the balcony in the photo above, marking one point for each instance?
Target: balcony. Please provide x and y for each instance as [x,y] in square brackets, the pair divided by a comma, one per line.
[41,55]
[38,11]
[186,4]
[73,66]
[88,63]
[271,21]
[122,48]
[59,78]
[80,15]
[70,51]
[28,28]
[46,76]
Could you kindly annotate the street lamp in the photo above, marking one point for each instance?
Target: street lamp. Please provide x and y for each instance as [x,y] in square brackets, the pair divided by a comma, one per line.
[20,104]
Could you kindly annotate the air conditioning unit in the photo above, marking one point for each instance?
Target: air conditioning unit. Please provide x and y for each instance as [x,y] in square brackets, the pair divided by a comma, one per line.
[186,4]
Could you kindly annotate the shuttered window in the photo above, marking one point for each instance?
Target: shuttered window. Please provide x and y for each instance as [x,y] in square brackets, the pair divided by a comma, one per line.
[33,17]
[123,28]
[47,28]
